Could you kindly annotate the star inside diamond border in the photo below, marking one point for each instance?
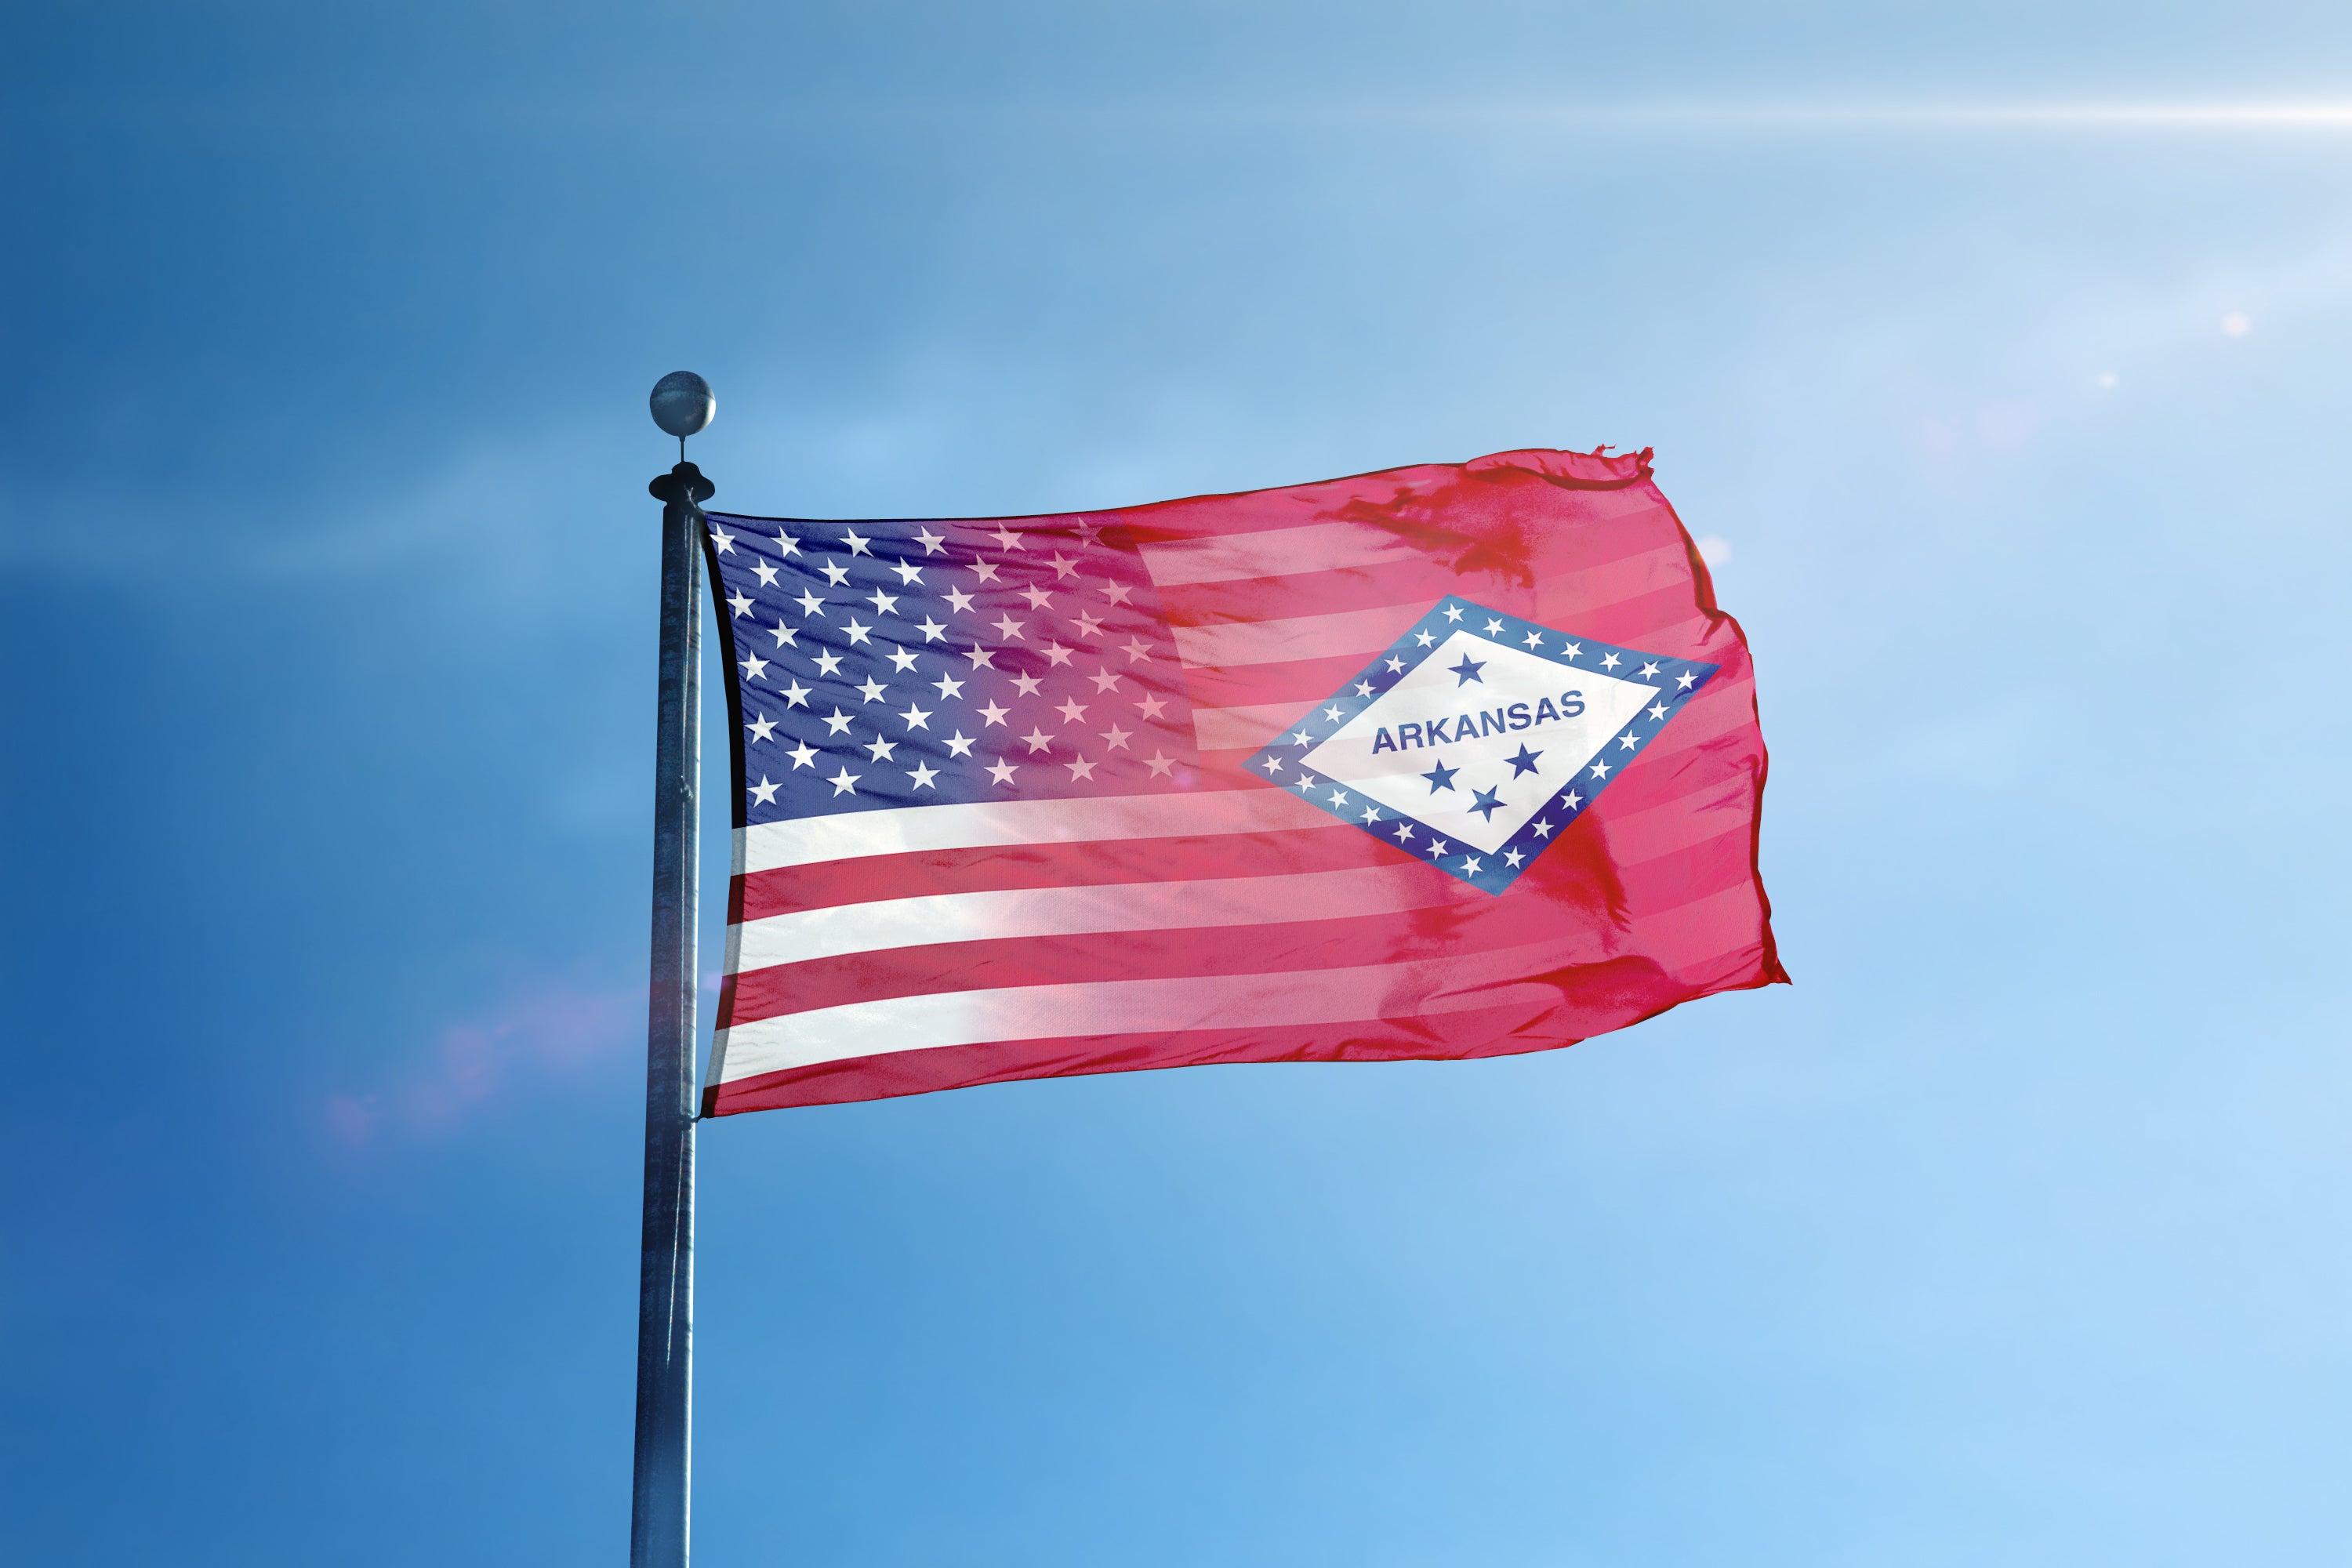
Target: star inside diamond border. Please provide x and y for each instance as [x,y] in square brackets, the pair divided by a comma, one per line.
[1488,872]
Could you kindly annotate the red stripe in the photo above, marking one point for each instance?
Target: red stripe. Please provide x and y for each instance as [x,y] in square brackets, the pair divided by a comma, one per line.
[1592,909]
[1567,1007]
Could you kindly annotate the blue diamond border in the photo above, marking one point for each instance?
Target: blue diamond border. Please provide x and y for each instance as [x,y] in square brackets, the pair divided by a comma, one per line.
[1488,873]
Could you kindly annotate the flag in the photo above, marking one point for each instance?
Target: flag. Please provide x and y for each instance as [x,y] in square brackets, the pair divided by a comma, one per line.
[1441,761]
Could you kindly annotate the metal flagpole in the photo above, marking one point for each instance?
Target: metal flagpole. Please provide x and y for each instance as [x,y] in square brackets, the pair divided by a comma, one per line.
[682,405]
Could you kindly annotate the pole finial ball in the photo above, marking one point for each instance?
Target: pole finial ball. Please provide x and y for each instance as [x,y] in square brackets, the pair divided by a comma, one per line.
[682,403]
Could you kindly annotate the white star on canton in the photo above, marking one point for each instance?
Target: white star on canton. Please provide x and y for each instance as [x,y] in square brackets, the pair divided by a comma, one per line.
[1000,771]
[765,573]
[947,686]
[1363,688]
[1025,684]
[1116,592]
[902,659]
[1149,706]
[1116,738]
[880,749]
[1089,626]
[1684,681]
[1159,763]
[1059,656]
[981,656]
[722,541]
[857,543]
[763,793]
[803,755]
[843,782]
[828,664]
[959,600]
[923,776]
[916,717]
[1136,650]
[884,603]
[810,603]
[796,695]
[1104,680]
[1007,627]
[754,667]
[787,546]
[872,691]
[834,572]
[1070,710]
[984,571]
[857,633]
[763,728]
[1039,598]
[838,724]
[786,636]
[932,631]
[1064,568]
[958,744]
[738,603]
[931,542]
[1079,769]
[1038,740]
[993,715]
[908,573]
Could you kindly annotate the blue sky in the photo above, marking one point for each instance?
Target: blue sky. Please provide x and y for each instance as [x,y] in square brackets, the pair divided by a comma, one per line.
[2013,1231]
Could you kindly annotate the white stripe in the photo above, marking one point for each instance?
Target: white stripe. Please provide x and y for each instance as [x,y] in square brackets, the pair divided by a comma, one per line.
[1069,911]
[1529,975]
[1132,1007]
[1299,637]
[1227,729]
[914,828]
[1275,552]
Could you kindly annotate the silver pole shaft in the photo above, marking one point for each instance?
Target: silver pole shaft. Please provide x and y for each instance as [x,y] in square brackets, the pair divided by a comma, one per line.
[658,1515]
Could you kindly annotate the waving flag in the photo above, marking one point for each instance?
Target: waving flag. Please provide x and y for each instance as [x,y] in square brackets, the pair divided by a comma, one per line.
[1439,762]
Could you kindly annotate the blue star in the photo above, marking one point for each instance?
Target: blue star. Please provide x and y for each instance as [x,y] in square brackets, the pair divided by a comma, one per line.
[1440,777]
[1486,806]
[1467,671]
[1525,762]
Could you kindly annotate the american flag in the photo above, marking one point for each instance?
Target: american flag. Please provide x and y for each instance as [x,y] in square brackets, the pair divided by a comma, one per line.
[1171,784]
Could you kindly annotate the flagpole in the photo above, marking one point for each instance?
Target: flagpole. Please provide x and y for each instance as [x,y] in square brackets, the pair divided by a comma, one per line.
[682,405]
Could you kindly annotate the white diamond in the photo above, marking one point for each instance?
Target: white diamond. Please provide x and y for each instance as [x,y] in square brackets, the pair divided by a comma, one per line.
[1520,698]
